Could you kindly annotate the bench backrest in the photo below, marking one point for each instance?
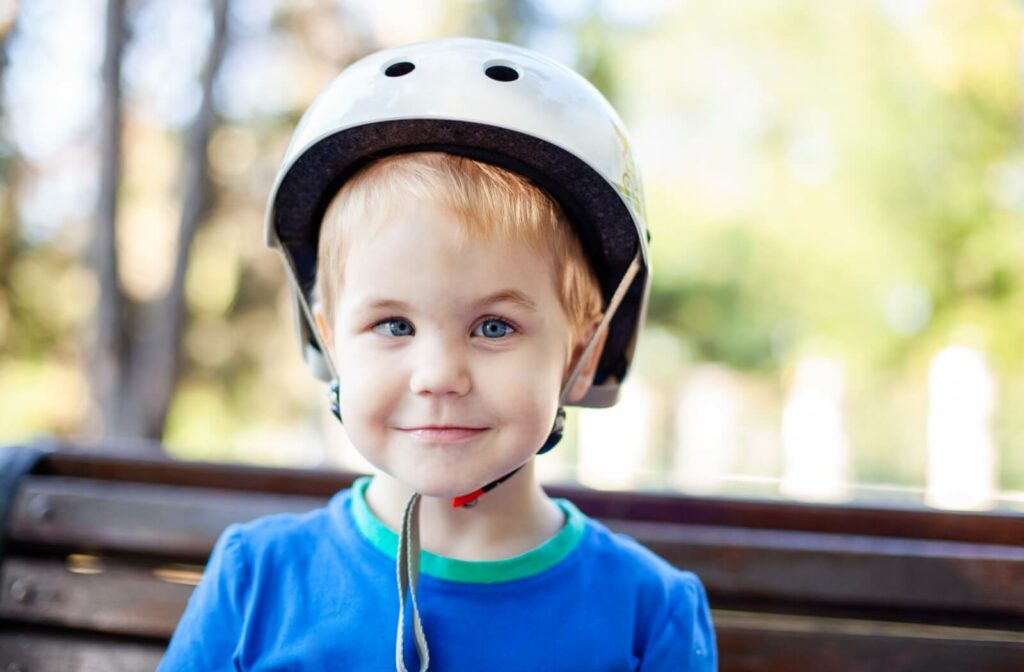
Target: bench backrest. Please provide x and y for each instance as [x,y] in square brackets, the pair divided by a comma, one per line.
[101,554]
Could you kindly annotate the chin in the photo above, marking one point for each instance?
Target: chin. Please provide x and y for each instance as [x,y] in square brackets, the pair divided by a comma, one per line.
[447,485]
[442,487]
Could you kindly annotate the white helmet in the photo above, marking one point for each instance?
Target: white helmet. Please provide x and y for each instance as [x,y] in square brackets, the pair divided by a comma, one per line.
[495,103]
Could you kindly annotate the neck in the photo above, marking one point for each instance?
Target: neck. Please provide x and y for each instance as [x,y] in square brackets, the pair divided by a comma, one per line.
[513,518]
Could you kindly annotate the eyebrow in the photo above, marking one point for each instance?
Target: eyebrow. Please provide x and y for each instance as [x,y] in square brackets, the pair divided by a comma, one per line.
[504,295]
[509,295]
[377,304]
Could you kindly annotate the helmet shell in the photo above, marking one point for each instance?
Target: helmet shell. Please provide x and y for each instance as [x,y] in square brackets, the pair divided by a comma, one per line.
[489,101]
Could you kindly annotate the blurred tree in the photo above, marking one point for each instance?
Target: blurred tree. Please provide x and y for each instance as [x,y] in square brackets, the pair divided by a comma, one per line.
[111,328]
[7,197]
[154,355]
[135,363]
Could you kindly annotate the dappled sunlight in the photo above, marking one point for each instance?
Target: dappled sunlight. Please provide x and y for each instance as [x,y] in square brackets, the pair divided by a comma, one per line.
[815,445]
[961,453]
[147,242]
[707,430]
[613,442]
[39,398]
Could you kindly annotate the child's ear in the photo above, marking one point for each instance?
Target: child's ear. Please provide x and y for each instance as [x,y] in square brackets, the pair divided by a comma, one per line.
[586,377]
[323,326]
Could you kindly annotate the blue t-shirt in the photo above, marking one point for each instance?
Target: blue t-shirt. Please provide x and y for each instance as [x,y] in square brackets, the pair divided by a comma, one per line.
[317,591]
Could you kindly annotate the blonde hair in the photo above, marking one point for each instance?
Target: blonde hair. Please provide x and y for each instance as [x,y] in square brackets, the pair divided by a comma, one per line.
[491,203]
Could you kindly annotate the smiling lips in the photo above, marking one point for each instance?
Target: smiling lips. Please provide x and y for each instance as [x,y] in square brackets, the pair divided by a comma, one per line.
[444,433]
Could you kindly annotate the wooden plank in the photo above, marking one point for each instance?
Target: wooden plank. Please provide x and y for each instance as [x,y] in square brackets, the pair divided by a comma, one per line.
[892,581]
[896,522]
[184,522]
[162,470]
[891,521]
[29,651]
[753,642]
[108,601]
[132,517]
[747,643]
[97,594]
[795,567]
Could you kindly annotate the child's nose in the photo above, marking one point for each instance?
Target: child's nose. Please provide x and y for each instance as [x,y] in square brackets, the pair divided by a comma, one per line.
[440,368]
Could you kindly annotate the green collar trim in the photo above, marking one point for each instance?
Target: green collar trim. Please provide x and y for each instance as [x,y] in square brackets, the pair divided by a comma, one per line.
[535,561]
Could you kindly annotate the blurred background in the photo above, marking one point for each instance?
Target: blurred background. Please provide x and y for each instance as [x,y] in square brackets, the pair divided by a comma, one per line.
[835,192]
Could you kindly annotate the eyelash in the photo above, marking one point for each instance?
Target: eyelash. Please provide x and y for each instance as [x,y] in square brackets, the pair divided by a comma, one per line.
[389,320]
[512,328]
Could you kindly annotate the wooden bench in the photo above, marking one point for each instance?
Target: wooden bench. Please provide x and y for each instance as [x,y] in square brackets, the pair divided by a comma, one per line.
[101,553]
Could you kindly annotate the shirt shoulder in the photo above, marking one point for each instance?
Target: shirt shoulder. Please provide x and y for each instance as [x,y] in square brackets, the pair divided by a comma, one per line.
[630,560]
[299,533]
[671,609]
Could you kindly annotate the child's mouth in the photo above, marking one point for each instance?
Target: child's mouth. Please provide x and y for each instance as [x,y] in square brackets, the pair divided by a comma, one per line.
[444,433]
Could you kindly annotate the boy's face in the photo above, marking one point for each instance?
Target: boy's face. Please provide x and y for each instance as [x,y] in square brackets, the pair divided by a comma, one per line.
[450,355]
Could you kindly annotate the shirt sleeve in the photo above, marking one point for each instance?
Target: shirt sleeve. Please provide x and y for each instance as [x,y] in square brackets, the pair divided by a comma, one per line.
[207,636]
[685,641]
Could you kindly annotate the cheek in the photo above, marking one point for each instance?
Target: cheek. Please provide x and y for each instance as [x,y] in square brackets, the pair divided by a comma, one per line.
[546,370]
[530,419]
[526,388]
[365,411]
[367,390]
[533,387]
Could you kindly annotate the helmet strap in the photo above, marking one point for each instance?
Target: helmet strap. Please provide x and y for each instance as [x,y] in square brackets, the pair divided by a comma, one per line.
[556,432]
[306,313]
[334,392]
[606,318]
[470,500]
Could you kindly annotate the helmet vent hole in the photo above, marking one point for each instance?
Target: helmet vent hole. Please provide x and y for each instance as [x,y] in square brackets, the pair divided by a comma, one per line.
[399,69]
[502,73]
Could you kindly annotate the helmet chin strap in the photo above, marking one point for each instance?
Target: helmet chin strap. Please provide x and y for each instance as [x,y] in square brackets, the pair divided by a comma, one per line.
[470,500]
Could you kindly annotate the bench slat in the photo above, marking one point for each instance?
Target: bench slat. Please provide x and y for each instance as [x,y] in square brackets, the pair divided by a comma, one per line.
[44,652]
[918,522]
[824,568]
[128,517]
[109,601]
[749,642]
[102,595]
[812,567]
[774,643]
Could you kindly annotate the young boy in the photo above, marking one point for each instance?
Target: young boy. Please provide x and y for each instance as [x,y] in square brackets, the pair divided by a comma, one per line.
[464,231]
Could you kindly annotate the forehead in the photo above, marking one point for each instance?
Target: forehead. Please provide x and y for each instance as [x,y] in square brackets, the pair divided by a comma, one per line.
[424,252]
[469,225]
[488,203]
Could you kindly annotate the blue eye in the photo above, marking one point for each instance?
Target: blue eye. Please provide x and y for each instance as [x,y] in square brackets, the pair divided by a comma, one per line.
[493,328]
[394,326]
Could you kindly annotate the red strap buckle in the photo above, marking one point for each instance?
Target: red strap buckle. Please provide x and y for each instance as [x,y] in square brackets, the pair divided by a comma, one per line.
[467,500]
